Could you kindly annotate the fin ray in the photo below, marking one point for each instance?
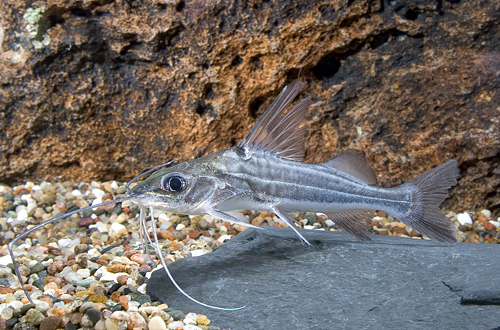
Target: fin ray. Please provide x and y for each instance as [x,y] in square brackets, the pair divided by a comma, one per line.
[277,131]
[355,222]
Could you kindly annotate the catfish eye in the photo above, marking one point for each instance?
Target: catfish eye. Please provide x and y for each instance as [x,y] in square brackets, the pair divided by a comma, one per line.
[174,183]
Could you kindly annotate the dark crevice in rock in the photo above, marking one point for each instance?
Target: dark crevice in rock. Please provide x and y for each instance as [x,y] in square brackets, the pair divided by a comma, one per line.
[255,106]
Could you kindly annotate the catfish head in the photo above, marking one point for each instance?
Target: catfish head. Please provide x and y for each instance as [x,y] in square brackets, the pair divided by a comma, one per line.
[186,188]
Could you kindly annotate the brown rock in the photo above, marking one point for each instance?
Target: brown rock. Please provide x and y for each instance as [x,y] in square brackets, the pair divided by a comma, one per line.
[50,323]
[85,222]
[5,290]
[116,268]
[85,240]
[167,234]
[415,108]
[488,226]
[115,296]
[123,301]
[194,234]
[122,279]
[257,221]
[399,230]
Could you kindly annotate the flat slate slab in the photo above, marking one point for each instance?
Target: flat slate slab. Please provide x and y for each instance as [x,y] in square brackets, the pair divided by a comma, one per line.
[339,283]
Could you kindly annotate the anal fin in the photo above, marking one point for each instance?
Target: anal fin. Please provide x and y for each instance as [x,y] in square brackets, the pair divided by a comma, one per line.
[355,222]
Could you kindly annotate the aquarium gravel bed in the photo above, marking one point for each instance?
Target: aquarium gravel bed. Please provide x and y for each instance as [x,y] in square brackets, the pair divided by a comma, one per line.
[89,271]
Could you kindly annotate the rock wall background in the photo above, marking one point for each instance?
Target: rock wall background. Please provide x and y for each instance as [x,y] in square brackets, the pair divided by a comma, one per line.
[102,89]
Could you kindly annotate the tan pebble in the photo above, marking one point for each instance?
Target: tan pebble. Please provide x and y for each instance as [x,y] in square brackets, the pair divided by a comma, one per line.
[85,240]
[122,279]
[139,258]
[81,294]
[100,306]
[123,301]
[56,311]
[116,268]
[5,290]
[9,297]
[136,321]
[167,234]
[102,262]
[257,221]
[115,296]
[85,306]
[157,323]
[111,324]
[414,233]
[76,317]
[98,298]
[401,225]
[399,230]
[119,315]
[51,285]
[239,228]
[100,325]
[202,319]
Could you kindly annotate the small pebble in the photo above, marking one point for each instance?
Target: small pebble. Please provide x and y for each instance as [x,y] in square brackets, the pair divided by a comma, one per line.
[157,323]
[176,324]
[464,218]
[50,323]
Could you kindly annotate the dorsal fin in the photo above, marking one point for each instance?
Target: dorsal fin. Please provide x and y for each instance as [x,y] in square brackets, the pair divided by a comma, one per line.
[277,131]
[354,162]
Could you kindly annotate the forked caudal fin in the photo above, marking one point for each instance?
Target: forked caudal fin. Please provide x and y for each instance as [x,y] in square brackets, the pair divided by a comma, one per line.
[429,190]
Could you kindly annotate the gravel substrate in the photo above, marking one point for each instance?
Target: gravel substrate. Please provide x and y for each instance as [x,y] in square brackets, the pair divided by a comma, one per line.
[89,270]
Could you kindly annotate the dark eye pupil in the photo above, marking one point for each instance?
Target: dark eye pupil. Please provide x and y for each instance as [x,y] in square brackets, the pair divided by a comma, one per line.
[175,183]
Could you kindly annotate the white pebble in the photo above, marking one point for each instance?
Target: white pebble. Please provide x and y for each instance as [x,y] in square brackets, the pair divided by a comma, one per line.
[5,260]
[83,272]
[76,193]
[157,323]
[117,227]
[100,325]
[42,306]
[190,318]
[142,288]
[101,227]
[191,327]
[64,242]
[16,304]
[486,213]
[495,223]
[464,218]
[180,227]
[309,227]
[197,253]
[175,324]
[7,313]
[120,315]
[224,237]
[114,185]
[98,193]
[329,223]
[22,215]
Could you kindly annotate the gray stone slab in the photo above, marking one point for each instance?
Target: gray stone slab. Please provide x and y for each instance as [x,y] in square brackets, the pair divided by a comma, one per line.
[339,283]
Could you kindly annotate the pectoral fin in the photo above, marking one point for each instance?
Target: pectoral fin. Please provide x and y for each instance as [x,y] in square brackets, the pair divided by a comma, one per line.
[285,216]
[232,217]
[355,222]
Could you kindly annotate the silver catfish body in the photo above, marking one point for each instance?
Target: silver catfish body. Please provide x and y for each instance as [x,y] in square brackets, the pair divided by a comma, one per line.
[265,172]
